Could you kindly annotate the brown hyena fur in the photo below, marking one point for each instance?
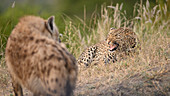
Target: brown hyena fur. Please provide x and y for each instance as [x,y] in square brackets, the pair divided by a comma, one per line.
[38,61]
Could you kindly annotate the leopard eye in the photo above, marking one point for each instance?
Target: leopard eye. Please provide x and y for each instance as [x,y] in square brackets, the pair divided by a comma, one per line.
[115,43]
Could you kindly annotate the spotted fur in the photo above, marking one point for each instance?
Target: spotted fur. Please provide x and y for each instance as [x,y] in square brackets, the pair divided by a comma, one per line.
[97,53]
[118,44]
[125,39]
[38,61]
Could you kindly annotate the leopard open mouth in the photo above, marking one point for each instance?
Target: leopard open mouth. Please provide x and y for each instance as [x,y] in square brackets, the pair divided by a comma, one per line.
[113,46]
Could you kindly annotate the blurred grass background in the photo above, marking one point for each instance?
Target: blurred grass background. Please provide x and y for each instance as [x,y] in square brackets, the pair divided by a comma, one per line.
[45,8]
[77,11]
[86,22]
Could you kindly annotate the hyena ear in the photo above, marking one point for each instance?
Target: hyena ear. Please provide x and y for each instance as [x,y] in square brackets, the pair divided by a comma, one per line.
[51,24]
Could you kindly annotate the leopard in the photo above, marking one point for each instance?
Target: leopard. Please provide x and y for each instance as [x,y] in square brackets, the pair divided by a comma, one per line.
[119,44]
[38,61]
[124,39]
[96,53]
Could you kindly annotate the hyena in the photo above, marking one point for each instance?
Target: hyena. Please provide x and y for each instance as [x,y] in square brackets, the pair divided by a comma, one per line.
[37,60]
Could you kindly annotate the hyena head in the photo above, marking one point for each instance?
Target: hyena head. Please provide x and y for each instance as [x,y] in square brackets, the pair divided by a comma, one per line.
[52,28]
[44,27]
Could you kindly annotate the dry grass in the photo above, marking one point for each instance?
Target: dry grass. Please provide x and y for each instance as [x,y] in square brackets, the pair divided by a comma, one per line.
[144,74]
[147,73]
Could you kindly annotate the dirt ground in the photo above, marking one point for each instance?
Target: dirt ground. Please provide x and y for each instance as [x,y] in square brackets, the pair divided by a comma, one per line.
[136,85]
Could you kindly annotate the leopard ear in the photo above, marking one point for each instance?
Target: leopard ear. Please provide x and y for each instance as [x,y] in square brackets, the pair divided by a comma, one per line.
[51,24]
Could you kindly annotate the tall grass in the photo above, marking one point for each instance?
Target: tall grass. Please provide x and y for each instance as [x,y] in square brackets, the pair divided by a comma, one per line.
[2,48]
[146,23]
[152,26]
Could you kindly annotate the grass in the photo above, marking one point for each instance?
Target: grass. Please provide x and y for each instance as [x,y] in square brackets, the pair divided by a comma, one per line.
[144,74]
[147,70]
